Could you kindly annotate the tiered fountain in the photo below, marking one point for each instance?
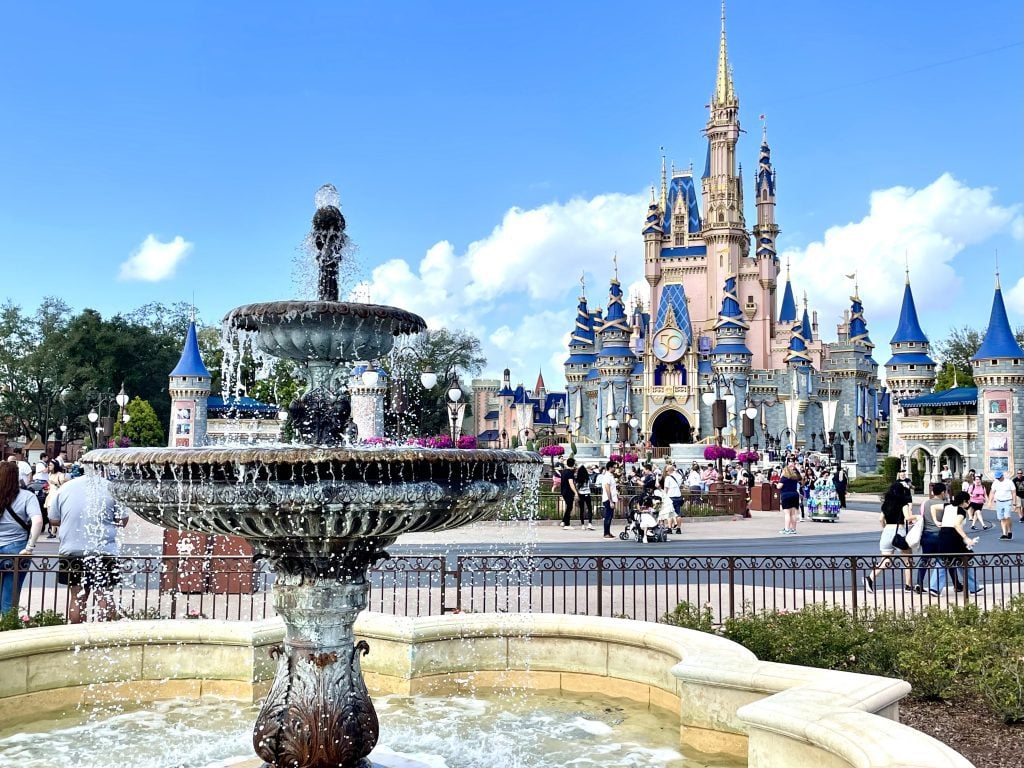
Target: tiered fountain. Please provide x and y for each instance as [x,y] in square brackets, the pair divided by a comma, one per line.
[322,512]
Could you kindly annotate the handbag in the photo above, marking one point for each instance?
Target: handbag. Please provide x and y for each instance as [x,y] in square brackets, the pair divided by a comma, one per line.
[913,534]
[899,542]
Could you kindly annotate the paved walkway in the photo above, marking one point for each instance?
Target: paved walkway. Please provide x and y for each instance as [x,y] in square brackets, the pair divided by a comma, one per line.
[762,525]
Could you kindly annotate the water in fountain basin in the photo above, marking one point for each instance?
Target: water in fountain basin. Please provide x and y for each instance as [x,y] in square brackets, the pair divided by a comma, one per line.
[533,731]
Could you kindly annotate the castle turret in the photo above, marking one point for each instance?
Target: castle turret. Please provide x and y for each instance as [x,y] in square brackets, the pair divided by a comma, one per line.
[189,389]
[998,368]
[724,225]
[911,370]
[766,233]
[730,354]
[615,359]
[787,314]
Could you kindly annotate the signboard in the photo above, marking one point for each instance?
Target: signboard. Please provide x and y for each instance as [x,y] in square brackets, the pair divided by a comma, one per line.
[704,345]
[182,422]
[998,437]
[669,344]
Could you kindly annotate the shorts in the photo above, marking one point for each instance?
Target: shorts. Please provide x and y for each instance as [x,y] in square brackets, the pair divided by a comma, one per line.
[100,572]
[1004,509]
[790,500]
[885,545]
[977,505]
[677,505]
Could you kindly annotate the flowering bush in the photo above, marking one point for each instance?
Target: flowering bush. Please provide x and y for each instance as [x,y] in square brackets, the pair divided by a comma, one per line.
[16,618]
[120,442]
[552,450]
[467,441]
[748,456]
[715,452]
[625,458]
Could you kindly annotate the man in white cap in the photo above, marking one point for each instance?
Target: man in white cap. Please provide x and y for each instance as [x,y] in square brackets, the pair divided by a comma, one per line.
[1001,496]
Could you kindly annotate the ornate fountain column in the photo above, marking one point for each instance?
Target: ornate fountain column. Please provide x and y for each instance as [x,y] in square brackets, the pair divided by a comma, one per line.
[318,712]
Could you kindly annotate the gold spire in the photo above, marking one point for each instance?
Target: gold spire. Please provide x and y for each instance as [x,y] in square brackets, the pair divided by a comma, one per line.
[583,286]
[723,82]
[615,265]
[652,194]
[906,266]
[664,183]
[997,270]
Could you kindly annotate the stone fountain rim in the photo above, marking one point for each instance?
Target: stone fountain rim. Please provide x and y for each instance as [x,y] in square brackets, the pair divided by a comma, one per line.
[249,317]
[303,455]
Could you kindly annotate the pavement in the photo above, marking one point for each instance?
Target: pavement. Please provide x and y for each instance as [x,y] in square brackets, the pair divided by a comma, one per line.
[856,531]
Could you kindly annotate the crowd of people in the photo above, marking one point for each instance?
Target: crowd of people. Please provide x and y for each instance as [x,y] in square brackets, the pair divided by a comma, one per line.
[935,530]
[76,509]
[660,494]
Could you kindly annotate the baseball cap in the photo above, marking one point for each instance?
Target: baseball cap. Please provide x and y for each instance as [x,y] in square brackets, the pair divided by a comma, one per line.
[999,474]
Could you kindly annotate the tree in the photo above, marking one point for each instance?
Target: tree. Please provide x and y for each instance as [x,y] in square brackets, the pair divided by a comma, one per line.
[274,381]
[447,353]
[955,353]
[143,428]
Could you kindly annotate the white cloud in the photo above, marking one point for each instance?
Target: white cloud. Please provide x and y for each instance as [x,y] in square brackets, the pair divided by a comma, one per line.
[1015,298]
[928,226]
[153,260]
[516,287]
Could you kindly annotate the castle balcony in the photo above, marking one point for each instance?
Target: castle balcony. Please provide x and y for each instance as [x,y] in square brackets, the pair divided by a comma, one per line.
[660,394]
[938,427]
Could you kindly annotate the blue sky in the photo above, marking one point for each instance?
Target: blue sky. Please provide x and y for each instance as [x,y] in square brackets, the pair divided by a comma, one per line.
[487,153]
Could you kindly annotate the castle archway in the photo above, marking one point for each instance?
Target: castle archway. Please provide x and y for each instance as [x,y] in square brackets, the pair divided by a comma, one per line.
[670,426]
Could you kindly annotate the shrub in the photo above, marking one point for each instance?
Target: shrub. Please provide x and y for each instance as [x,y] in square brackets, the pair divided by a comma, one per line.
[690,617]
[890,468]
[943,652]
[15,618]
[868,484]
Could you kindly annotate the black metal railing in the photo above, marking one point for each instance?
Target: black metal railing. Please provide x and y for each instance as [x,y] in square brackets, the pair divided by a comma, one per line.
[631,586]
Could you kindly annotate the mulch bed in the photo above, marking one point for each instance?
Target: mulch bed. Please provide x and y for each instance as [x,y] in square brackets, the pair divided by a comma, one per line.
[970,729]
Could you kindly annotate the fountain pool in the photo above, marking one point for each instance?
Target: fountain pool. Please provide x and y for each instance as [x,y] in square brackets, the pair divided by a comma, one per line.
[510,729]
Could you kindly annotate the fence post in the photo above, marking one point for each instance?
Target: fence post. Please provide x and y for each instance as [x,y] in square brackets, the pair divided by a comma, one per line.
[732,587]
[444,580]
[600,586]
[853,582]
[458,583]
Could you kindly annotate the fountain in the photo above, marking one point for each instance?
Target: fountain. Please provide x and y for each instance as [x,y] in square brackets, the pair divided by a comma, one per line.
[321,512]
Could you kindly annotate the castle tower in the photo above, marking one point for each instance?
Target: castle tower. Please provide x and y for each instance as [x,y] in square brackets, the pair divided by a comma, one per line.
[189,389]
[579,365]
[910,371]
[730,355]
[766,233]
[724,224]
[998,369]
[615,361]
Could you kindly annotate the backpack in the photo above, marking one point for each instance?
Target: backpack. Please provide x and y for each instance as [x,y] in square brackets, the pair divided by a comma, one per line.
[40,488]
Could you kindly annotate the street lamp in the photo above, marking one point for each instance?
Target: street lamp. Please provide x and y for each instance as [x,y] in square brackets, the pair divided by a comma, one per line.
[455,410]
[719,410]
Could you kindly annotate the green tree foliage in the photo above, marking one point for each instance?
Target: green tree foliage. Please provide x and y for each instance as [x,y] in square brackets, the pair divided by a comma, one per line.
[955,352]
[277,382]
[414,411]
[144,427]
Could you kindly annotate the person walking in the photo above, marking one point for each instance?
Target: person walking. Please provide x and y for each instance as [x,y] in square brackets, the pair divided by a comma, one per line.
[789,486]
[892,517]
[1018,483]
[609,497]
[56,480]
[840,480]
[673,488]
[21,522]
[1001,497]
[946,478]
[584,499]
[87,519]
[978,497]
[569,492]
[955,544]
[931,513]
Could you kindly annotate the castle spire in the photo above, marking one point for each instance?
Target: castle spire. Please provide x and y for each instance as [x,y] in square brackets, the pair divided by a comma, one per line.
[664,183]
[908,329]
[723,81]
[999,340]
[788,312]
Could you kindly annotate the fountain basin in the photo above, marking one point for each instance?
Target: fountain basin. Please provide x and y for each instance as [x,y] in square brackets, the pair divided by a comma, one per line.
[305,494]
[324,330]
[725,698]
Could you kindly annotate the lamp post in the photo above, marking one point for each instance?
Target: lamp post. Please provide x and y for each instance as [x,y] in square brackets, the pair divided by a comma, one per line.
[63,438]
[719,410]
[99,415]
[455,410]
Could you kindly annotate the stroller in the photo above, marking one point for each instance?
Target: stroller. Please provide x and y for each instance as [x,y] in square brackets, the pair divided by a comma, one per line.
[640,518]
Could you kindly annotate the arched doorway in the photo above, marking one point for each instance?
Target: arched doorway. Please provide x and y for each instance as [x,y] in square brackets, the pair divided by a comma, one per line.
[670,427]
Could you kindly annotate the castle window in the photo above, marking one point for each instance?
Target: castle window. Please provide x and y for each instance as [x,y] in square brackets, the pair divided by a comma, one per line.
[911,367]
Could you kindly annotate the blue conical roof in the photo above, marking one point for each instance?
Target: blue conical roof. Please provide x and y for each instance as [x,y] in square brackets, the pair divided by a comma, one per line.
[908,329]
[615,317]
[191,362]
[808,329]
[858,326]
[583,332]
[999,339]
[788,312]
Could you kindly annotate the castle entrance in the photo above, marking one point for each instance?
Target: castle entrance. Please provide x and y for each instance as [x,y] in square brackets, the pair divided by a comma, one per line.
[670,427]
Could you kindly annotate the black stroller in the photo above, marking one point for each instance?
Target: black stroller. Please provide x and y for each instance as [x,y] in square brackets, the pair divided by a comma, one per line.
[639,507]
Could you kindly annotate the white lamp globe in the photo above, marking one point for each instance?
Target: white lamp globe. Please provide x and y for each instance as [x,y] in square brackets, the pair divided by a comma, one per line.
[708,398]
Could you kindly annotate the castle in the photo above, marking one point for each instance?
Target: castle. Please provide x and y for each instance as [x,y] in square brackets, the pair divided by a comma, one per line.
[712,324]
[979,427]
